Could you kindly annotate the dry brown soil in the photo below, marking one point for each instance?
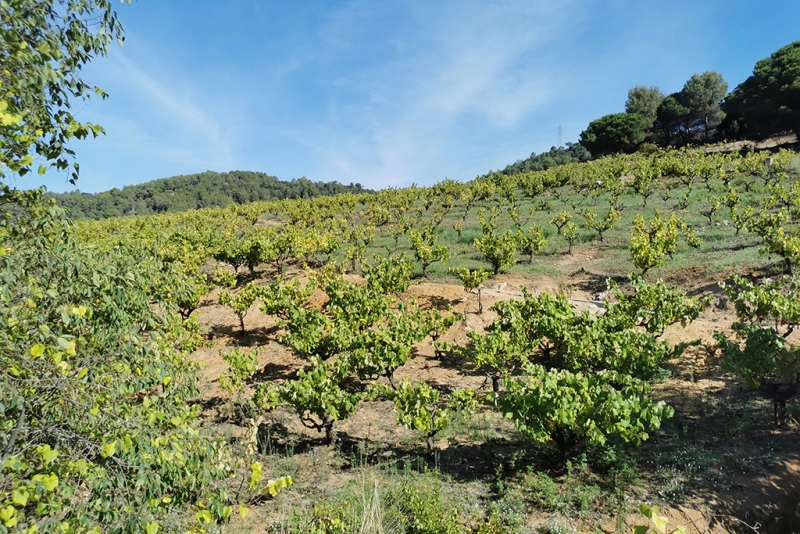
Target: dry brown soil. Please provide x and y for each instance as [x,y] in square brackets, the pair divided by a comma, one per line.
[770,499]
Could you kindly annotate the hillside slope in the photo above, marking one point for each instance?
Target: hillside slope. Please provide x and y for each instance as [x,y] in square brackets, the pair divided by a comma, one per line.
[193,191]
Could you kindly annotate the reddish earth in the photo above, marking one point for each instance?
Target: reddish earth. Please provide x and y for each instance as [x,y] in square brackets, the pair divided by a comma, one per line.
[771,499]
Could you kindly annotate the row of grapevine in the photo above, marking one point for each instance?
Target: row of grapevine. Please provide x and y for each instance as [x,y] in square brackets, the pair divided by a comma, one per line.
[755,191]
[317,230]
[563,377]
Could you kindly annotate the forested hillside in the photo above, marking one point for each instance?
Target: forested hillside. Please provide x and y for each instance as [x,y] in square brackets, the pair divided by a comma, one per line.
[204,190]
[572,153]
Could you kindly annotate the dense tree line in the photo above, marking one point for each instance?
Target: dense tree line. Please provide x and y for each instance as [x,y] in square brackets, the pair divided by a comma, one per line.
[703,111]
[691,115]
[562,155]
[572,153]
[767,103]
[194,191]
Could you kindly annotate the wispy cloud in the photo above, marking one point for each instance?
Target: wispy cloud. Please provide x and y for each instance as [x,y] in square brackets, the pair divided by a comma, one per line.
[392,92]
[187,116]
[195,132]
[451,67]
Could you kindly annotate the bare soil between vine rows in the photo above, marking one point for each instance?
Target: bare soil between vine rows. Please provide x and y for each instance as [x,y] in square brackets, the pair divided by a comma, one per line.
[765,493]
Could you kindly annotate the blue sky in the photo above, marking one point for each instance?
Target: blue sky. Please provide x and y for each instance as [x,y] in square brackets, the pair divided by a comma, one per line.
[390,93]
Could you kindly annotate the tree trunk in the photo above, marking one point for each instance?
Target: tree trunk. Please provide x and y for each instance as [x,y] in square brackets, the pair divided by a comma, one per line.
[329,432]
[564,441]
[780,412]
[496,387]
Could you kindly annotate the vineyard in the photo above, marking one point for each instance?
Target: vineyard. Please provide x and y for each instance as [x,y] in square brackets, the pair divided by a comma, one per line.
[541,352]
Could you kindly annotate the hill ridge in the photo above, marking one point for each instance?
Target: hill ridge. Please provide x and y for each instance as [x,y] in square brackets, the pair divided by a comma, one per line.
[193,191]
